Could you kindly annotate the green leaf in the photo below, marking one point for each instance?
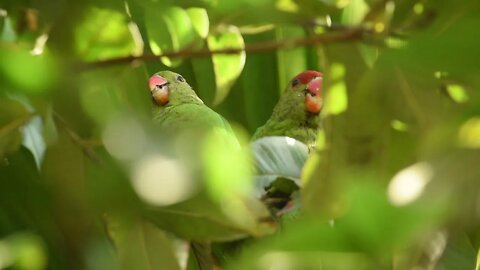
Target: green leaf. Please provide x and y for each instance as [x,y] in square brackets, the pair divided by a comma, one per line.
[23,251]
[13,116]
[227,67]
[104,34]
[354,12]
[42,70]
[205,79]
[33,132]
[8,33]
[260,83]
[277,157]
[290,62]
[200,21]
[33,139]
[457,93]
[27,212]
[336,98]
[121,89]
[141,245]
[225,208]
[201,219]
[169,29]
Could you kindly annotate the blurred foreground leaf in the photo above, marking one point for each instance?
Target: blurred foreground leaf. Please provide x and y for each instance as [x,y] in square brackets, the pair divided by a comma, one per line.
[138,244]
[13,116]
[24,251]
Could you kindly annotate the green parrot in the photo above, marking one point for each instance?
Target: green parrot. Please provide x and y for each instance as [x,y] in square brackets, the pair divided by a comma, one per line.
[177,108]
[297,113]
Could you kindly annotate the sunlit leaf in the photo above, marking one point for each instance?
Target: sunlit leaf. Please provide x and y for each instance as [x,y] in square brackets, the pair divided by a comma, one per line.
[200,21]
[23,251]
[457,93]
[354,12]
[32,74]
[337,99]
[287,6]
[227,67]
[104,34]
[169,29]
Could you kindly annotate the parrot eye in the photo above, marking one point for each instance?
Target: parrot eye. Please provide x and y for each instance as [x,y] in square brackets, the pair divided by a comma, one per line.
[180,78]
[295,82]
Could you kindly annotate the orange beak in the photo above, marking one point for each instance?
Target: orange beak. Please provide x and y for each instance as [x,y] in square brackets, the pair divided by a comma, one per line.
[159,89]
[313,98]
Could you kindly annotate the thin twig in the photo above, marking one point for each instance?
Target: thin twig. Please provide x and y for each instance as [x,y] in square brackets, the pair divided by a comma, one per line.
[15,124]
[84,145]
[346,35]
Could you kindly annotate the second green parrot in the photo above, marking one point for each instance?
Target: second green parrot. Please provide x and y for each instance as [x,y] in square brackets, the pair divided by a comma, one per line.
[297,113]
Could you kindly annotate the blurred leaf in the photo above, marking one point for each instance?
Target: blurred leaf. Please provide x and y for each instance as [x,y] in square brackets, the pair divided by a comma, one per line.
[27,208]
[33,139]
[23,251]
[32,132]
[200,21]
[31,74]
[63,170]
[200,219]
[347,241]
[205,79]
[259,81]
[8,33]
[120,89]
[142,246]
[457,93]
[223,159]
[459,254]
[354,12]
[160,39]
[180,26]
[277,157]
[13,116]
[227,67]
[290,62]
[169,29]
[336,98]
[104,34]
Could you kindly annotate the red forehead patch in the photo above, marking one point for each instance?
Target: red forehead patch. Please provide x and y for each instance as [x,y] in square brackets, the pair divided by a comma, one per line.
[156,80]
[308,75]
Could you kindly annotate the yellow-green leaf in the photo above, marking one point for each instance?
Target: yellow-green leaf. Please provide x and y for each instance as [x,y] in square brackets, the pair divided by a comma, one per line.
[227,67]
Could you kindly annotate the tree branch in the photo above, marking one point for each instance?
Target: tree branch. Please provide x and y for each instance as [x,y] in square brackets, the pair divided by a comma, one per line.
[345,35]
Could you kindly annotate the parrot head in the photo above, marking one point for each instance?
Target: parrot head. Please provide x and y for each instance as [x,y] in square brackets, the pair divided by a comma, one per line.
[309,83]
[167,87]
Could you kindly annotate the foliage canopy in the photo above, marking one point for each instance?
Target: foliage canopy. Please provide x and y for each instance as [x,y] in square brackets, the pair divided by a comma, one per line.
[392,184]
